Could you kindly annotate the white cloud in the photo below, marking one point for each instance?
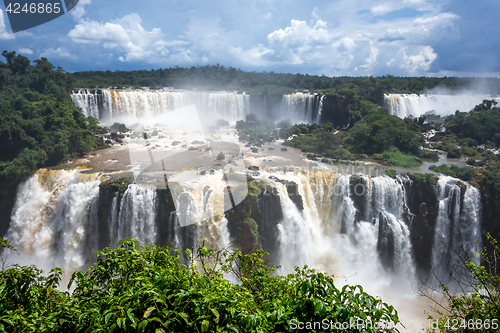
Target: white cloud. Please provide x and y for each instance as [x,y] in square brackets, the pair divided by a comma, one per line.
[299,42]
[342,41]
[429,29]
[25,51]
[393,5]
[301,33]
[383,9]
[79,10]
[125,34]
[314,14]
[59,53]
[355,46]
[255,56]
[413,64]
[4,34]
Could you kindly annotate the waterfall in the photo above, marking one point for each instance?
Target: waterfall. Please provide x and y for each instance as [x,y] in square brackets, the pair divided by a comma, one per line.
[347,225]
[302,107]
[88,101]
[339,230]
[405,105]
[202,204]
[136,217]
[55,224]
[320,109]
[151,103]
[54,220]
[389,200]
[457,227]
[353,221]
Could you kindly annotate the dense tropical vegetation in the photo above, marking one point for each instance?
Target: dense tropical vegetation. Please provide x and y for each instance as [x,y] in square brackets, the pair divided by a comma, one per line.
[146,289]
[39,124]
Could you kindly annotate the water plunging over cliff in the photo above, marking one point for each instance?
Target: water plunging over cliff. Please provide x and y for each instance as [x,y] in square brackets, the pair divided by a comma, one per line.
[404,105]
[302,107]
[109,104]
[345,224]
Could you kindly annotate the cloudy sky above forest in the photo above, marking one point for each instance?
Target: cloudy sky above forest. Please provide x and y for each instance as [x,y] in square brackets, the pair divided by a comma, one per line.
[334,38]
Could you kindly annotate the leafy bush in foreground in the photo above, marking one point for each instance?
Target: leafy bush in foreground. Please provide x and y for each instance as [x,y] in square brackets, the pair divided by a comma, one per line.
[477,308]
[146,289]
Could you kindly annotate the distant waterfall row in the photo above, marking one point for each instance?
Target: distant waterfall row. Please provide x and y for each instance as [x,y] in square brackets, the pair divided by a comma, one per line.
[345,224]
[108,104]
[405,105]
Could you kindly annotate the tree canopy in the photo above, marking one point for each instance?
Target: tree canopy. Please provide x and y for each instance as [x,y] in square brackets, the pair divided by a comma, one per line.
[39,124]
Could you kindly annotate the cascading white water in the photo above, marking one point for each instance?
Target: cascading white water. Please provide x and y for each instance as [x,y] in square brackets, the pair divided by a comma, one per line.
[136,216]
[54,220]
[320,109]
[341,228]
[88,101]
[389,202]
[326,234]
[201,203]
[302,107]
[457,231]
[151,103]
[404,105]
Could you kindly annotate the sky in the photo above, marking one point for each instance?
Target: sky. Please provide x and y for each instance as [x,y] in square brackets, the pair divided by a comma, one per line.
[332,38]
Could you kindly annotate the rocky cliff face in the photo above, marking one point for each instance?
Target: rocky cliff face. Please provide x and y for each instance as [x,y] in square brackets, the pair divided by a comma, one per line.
[335,111]
[423,204]
[7,201]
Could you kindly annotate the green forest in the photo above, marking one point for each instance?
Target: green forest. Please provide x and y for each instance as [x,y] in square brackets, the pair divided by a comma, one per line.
[39,124]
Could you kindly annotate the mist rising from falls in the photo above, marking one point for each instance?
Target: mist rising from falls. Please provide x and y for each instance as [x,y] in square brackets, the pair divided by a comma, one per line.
[345,226]
[54,220]
[404,105]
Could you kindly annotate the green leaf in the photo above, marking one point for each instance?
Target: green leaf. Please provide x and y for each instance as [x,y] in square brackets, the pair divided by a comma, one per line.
[106,318]
[142,325]
[148,311]
[204,325]
[184,316]
[130,316]
[216,314]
